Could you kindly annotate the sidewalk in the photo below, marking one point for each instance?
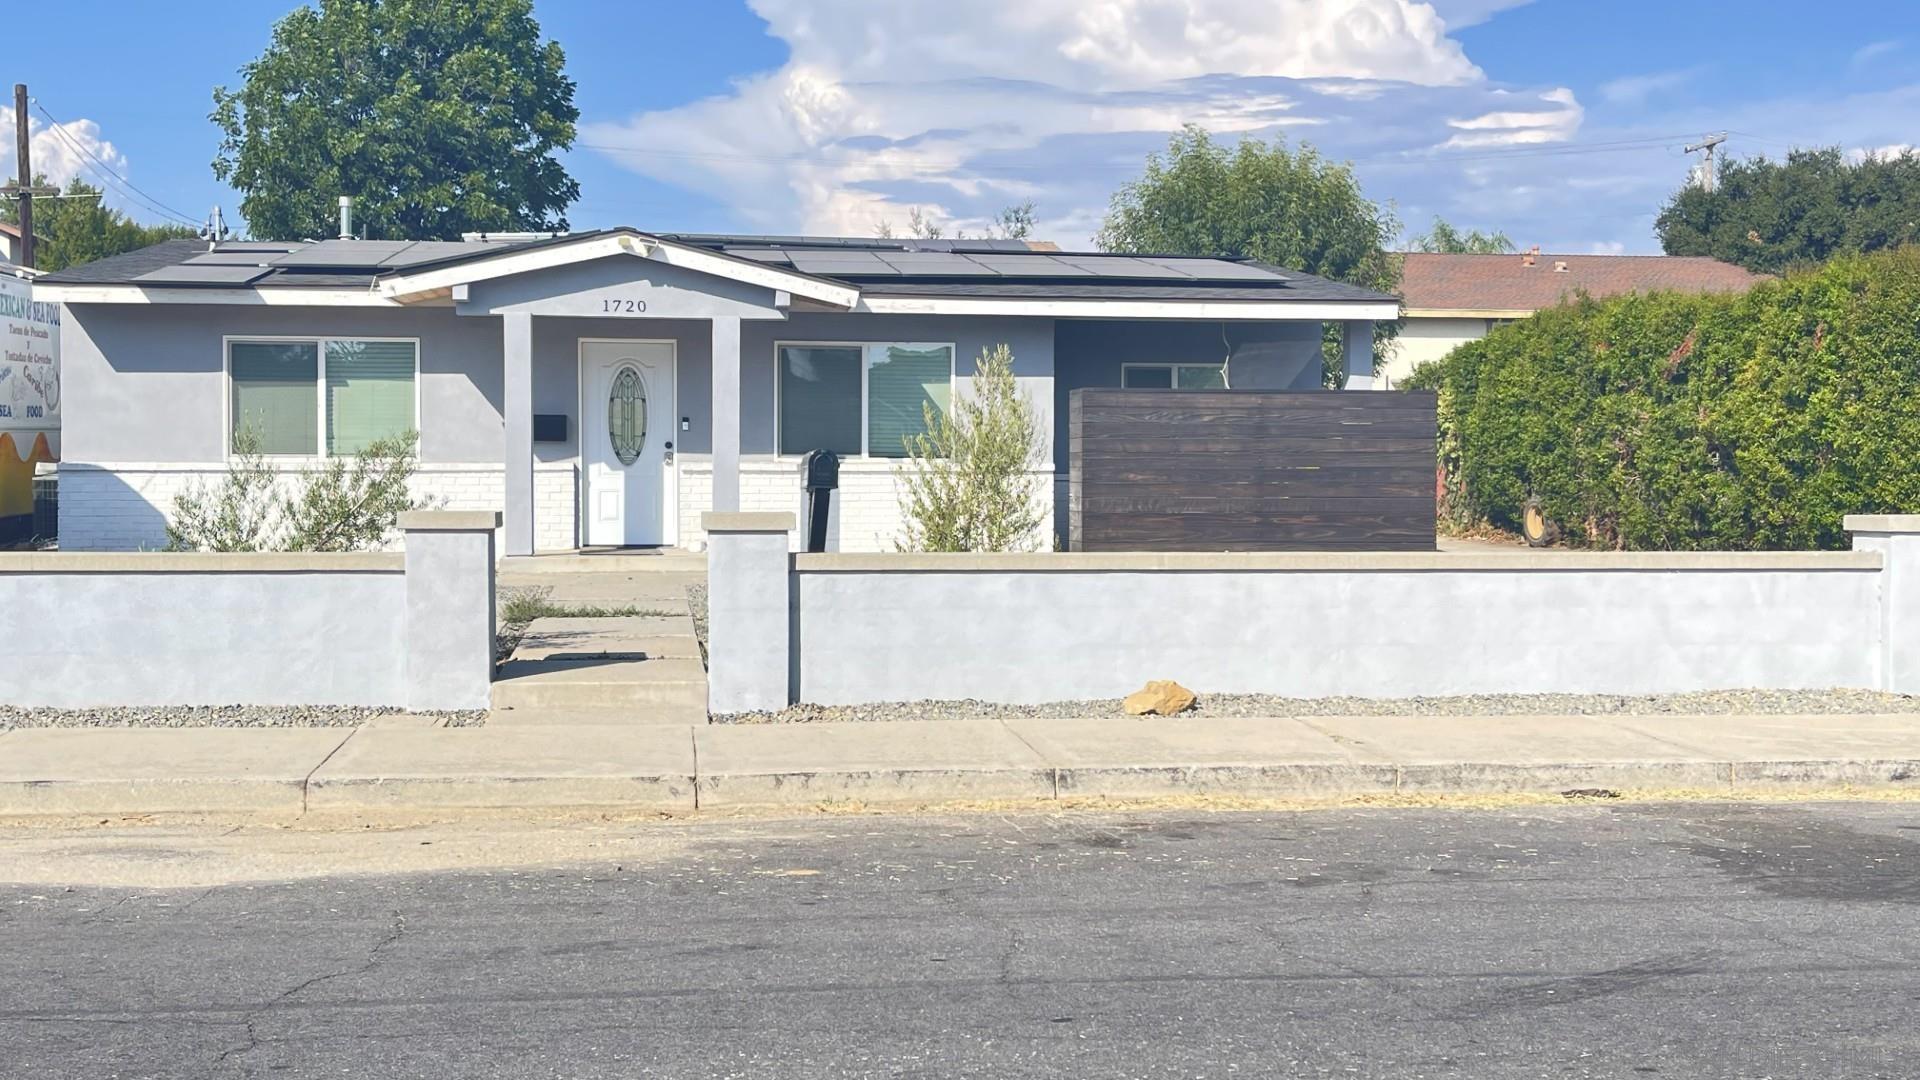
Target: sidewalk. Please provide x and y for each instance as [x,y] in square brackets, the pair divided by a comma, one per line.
[397,764]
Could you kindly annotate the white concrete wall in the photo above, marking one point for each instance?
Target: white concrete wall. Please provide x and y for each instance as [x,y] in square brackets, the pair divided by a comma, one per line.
[1424,339]
[124,505]
[1050,627]
[153,628]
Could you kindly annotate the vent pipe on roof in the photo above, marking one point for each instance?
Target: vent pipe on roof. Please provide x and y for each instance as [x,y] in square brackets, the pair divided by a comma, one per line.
[346,217]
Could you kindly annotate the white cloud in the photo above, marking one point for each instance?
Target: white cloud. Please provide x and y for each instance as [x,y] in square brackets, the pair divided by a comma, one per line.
[1891,150]
[59,159]
[1608,247]
[881,108]
[1868,53]
[1636,89]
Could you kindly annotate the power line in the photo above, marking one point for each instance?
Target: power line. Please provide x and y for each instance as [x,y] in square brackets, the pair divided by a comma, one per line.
[128,186]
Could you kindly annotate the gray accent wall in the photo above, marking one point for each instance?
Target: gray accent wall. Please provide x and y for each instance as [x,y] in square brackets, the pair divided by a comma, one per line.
[1032,342]
[1266,356]
[148,382]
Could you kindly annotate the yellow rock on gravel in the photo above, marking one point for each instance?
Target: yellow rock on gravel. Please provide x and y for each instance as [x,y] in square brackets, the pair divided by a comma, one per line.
[1160,697]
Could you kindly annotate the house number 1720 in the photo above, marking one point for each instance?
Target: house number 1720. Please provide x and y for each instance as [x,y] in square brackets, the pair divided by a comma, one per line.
[623,307]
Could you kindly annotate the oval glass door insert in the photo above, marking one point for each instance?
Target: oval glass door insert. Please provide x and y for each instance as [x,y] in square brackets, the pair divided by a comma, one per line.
[627,415]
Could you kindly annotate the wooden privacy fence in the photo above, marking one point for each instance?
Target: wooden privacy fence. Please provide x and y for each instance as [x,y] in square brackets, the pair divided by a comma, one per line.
[1174,470]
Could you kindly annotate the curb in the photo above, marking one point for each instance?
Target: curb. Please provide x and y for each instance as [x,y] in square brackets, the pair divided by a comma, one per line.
[679,769]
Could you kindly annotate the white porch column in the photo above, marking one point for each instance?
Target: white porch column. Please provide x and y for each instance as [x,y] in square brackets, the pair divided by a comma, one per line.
[517,402]
[1356,346]
[726,414]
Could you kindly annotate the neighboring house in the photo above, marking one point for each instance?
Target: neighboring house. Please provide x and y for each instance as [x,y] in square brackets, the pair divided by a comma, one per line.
[1453,299]
[10,244]
[605,388]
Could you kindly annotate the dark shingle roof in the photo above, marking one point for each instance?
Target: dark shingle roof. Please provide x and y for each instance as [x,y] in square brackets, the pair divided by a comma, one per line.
[880,267]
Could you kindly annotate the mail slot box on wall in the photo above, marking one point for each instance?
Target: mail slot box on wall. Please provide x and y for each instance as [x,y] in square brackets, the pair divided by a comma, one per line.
[549,427]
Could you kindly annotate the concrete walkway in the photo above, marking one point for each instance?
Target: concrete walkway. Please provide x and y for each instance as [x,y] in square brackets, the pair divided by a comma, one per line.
[682,767]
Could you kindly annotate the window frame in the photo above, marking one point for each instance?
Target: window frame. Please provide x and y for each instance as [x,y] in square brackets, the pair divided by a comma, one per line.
[319,342]
[866,370]
[1173,375]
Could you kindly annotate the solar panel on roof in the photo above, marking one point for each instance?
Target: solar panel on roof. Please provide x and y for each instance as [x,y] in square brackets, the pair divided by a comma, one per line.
[333,254]
[773,256]
[1034,266]
[1119,266]
[831,263]
[255,245]
[228,258]
[203,275]
[936,262]
[1216,269]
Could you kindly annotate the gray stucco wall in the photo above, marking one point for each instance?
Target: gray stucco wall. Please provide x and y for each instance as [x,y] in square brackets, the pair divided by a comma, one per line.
[1034,635]
[1266,356]
[1030,339]
[147,382]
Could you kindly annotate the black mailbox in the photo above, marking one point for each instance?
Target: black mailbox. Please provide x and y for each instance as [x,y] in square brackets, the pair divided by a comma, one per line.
[819,474]
[822,469]
[549,427]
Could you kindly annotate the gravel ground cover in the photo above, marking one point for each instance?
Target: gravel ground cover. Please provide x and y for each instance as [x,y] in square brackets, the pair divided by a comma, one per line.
[1778,702]
[219,716]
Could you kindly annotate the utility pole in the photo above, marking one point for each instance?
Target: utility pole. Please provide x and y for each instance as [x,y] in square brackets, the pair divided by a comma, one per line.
[22,187]
[1706,167]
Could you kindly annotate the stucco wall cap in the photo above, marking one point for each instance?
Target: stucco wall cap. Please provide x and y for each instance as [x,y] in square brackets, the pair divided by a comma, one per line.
[1881,523]
[1520,561]
[200,562]
[450,520]
[714,521]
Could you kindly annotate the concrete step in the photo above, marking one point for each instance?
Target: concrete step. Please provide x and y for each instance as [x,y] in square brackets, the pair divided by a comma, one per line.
[607,590]
[524,684]
[631,716]
[625,638]
[592,562]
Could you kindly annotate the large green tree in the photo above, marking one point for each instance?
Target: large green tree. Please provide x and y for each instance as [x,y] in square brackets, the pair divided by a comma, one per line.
[1768,215]
[78,228]
[1258,200]
[1444,239]
[438,116]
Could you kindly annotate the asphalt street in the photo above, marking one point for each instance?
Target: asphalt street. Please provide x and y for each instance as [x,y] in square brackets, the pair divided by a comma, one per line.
[1592,940]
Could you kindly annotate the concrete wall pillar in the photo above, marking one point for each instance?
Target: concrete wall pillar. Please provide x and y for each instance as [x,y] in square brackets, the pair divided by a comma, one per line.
[726,414]
[450,608]
[1897,538]
[1356,346]
[517,402]
[749,637]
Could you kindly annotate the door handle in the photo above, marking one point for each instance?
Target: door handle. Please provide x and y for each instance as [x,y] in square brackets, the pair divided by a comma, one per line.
[668,459]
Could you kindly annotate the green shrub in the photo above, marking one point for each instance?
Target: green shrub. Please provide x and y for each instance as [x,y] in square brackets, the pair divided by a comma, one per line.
[345,505]
[1670,421]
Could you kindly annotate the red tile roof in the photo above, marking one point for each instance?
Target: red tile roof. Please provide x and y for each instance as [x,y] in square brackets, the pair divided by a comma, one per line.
[1509,283]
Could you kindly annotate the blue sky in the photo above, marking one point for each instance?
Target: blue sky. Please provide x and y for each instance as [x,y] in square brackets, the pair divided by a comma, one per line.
[1557,121]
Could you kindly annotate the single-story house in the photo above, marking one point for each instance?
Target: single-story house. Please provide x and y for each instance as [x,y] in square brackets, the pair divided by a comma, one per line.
[1450,300]
[604,388]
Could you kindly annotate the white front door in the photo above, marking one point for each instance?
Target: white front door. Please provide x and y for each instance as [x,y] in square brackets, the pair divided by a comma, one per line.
[627,434]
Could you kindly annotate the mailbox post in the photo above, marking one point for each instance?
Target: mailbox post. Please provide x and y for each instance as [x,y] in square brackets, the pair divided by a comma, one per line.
[820,473]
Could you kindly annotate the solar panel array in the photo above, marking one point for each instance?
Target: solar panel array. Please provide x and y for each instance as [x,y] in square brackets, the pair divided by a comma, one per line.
[244,262]
[848,262]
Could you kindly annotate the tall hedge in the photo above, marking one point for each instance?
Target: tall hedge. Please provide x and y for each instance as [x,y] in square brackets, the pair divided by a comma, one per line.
[1669,421]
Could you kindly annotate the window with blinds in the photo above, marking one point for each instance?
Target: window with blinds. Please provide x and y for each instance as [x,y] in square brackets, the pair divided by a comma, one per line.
[323,396]
[860,399]
[369,393]
[903,383]
[275,394]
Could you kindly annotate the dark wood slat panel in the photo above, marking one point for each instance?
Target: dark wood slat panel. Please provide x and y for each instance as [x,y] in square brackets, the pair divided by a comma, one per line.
[1250,471]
